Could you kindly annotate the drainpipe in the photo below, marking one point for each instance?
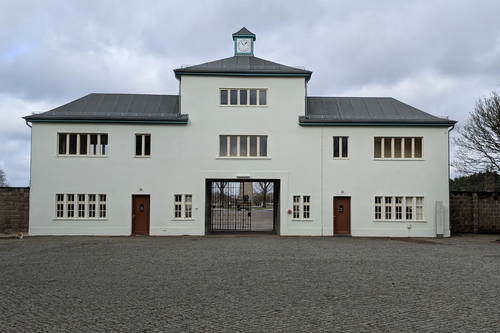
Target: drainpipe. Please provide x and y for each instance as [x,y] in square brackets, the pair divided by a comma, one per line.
[31,153]
[322,181]
[449,174]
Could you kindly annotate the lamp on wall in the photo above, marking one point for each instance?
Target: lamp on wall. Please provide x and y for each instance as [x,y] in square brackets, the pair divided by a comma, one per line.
[242,175]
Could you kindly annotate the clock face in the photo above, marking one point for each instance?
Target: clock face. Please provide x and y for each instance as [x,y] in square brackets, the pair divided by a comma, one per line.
[243,45]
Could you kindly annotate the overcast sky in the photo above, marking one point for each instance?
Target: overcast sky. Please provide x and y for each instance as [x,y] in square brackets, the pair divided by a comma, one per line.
[440,56]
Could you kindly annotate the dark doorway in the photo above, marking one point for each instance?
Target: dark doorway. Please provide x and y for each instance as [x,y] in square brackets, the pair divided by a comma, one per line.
[241,205]
[140,214]
[342,215]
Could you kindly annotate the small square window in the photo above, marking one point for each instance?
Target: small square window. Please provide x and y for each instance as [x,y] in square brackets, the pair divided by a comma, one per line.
[253,97]
[243,97]
[233,94]
[142,145]
[301,206]
[223,97]
[183,206]
[262,97]
[340,146]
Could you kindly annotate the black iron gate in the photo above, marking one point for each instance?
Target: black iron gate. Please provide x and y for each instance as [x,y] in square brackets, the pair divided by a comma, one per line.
[230,206]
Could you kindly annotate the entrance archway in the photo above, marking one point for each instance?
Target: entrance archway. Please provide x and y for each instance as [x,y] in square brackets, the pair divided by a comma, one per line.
[234,205]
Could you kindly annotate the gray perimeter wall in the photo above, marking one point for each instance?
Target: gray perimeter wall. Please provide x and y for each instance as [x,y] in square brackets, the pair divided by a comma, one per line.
[477,212]
[14,209]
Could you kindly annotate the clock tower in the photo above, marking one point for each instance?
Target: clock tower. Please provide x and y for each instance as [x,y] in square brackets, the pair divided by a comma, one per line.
[243,42]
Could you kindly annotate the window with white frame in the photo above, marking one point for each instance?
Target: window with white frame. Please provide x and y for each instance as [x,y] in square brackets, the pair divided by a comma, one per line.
[243,146]
[340,147]
[142,145]
[388,208]
[398,147]
[80,206]
[70,204]
[296,206]
[378,208]
[243,97]
[71,144]
[59,205]
[301,206]
[404,208]
[92,205]
[102,205]
[419,209]
[183,206]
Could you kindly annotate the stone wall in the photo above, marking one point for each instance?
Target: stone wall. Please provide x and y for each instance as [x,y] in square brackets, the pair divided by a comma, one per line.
[14,209]
[477,212]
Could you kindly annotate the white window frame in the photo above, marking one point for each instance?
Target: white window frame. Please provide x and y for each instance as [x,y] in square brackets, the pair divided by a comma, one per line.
[302,207]
[391,141]
[100,149]
[92,206]
[388,211]
[238,146]
[183,208]
[103,206]
[143,144]
[419,208]
[378,208]
[400,208]
[238,96]
[79,206]
[340,150]
[70,205]
[60,205]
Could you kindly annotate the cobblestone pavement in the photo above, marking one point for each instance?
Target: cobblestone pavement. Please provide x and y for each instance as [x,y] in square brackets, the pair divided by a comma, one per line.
[249,284]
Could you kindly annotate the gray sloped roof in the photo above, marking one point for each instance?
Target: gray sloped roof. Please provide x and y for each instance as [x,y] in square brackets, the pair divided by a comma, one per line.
[117,107]
[244,32]
[243,65]
[365,110]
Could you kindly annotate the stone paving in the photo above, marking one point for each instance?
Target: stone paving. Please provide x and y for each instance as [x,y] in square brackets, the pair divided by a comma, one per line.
[249,284]
[254,220]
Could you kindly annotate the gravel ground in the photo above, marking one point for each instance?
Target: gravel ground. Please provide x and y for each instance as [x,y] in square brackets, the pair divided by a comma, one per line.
[249,284]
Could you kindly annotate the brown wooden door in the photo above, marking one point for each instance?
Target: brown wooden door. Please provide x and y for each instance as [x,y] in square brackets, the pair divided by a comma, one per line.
[140,214]
[342,215]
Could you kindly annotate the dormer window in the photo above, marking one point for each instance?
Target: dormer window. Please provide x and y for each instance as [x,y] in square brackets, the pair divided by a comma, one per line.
[243,97]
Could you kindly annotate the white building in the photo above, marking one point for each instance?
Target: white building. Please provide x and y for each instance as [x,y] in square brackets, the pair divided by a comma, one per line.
[122,164]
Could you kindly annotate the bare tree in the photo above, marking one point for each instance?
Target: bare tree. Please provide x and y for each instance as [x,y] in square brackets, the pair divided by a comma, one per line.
[3,179]
[478,143]
[221,186]
[264,188]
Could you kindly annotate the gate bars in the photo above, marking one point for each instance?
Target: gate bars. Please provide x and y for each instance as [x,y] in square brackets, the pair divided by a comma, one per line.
[231,208]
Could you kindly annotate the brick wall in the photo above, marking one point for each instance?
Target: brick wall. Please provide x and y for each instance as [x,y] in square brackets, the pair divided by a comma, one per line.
[477,212]
[14,209]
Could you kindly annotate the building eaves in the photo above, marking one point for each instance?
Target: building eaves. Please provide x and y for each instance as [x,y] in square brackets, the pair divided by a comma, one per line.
[116,108]
[242,66]
[366,111]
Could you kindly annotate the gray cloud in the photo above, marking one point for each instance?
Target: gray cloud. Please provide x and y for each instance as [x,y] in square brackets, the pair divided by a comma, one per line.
[439,56]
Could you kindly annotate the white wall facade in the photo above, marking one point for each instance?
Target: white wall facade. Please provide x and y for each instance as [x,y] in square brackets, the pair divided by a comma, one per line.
[184,156]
